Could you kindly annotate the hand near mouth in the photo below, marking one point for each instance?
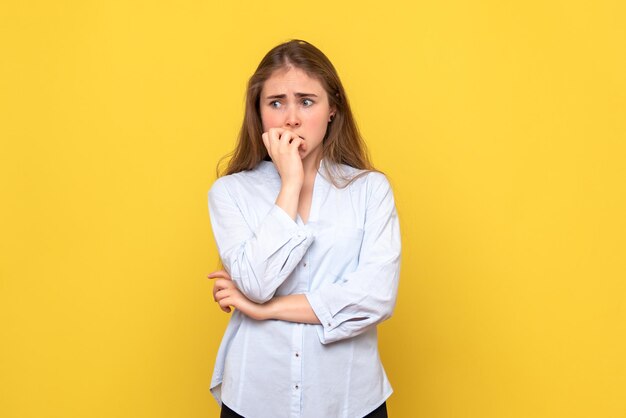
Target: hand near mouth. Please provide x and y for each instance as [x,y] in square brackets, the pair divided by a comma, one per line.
[286,150]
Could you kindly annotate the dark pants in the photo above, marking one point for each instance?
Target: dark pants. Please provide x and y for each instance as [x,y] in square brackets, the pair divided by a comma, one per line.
[380,412]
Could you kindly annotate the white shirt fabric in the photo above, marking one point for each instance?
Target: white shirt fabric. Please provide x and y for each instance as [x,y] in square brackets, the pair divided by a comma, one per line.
[345,259]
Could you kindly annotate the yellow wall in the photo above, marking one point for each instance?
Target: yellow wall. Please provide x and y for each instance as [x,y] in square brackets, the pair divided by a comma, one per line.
[501,126]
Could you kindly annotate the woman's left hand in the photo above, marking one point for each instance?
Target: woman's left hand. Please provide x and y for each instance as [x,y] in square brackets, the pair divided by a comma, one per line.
[226,294]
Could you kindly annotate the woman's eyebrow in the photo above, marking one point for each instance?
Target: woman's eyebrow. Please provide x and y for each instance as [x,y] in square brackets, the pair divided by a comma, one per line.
[282,96]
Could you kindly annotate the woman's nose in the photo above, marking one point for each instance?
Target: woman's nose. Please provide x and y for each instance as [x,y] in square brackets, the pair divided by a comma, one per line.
[293,119]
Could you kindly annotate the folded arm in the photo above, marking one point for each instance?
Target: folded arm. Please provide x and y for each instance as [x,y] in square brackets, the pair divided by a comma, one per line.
[361,299]
[258,259]
[291,308]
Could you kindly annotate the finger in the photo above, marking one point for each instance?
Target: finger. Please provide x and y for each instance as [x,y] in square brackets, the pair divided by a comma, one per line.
[274,133]
[226,309]
[287,140]
[281,135]
[220,295]
[219,274]
[274,140]
[223,285]
[266,141]
[225,304]
[215,290]
[294,144]
[288,136]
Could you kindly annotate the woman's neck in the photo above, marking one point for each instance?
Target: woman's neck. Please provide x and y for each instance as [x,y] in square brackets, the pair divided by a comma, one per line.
[310,165]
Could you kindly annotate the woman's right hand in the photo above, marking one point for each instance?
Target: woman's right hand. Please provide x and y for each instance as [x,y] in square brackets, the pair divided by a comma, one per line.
[284,147]
[226,294]
[219,274]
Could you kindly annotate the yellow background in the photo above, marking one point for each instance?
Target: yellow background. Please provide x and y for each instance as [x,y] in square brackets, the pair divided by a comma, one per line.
[501,125]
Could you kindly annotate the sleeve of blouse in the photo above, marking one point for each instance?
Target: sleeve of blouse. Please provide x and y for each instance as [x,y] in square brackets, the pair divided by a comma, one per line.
[366,296]
[258,259]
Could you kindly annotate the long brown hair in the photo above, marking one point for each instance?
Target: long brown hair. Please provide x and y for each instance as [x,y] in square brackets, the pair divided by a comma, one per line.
[342,144]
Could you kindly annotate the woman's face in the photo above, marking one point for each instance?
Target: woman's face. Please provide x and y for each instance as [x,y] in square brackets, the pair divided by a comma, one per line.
[292,100]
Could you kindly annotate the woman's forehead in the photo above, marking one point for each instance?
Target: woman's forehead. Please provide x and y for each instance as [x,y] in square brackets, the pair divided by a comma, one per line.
[291,80]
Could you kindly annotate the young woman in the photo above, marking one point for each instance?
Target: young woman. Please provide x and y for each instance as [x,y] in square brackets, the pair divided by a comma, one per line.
[309,237]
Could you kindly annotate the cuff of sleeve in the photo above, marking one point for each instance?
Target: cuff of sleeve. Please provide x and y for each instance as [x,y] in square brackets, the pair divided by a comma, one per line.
[281,216]
[328,323]
[282,230]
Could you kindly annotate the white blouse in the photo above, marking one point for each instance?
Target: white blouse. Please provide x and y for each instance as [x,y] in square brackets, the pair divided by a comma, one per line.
[345,260]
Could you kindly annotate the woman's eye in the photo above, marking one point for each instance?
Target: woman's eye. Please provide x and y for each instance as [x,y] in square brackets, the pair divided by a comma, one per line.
[307,102]
[275,104]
